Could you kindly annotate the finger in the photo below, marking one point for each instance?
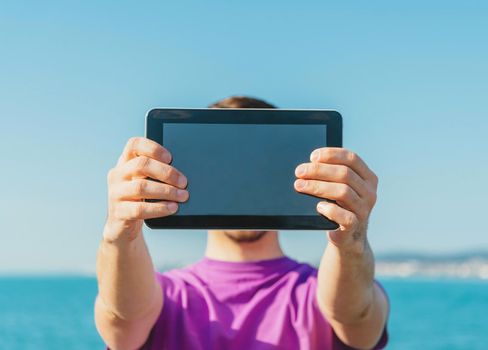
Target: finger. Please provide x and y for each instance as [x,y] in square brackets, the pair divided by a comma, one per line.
[143,166]
[141,146]
[343,194]
[145,210]
[138,189]
[343,156]
[345,218]
[333,173]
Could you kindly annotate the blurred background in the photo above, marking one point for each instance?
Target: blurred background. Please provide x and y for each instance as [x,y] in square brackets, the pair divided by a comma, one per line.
[410,79]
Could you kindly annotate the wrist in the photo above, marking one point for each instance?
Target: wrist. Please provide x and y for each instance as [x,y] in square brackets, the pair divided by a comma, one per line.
[350,265]
[350,241]
[118,231]
[350,250]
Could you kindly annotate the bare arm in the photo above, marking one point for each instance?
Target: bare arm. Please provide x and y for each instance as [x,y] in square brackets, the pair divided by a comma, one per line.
[354,305]
[130,299]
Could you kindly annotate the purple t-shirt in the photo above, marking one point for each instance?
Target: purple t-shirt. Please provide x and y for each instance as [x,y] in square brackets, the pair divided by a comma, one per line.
[263,305]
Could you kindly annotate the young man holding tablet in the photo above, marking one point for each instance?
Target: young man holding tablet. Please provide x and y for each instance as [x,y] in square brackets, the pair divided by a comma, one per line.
[245,293]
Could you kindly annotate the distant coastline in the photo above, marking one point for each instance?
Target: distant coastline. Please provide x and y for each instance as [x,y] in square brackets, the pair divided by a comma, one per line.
[468,265]
[465,265]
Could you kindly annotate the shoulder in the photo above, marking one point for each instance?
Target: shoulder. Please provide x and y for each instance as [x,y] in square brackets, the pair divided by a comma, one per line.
[180,289]
[178,280]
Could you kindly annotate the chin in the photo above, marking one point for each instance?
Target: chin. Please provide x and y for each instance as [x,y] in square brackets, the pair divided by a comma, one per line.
[245,236]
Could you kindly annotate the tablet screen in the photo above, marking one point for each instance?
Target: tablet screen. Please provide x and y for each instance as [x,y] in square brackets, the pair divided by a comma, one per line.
[243,169]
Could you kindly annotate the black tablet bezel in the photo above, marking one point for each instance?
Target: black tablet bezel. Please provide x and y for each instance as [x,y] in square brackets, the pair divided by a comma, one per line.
[154,131]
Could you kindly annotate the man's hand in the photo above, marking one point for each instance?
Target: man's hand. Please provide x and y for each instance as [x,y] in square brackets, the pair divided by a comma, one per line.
[347,296]
[128,186]
[130,298]
[340,175]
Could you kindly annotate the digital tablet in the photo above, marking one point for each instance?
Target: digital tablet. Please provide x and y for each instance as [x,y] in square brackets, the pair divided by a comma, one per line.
[240,165]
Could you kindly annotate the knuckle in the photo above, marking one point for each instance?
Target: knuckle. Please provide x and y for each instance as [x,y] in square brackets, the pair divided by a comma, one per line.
[168,192]
[114,192]
[375,180]
[140,186]
[344,173]
[142,163]
[160,209]
[116,212]
[313,168]
[358,202]
[311,186]
[154,151]
[165,208]
[373,198]
[327,153]
[132,142]
[111,195]
[110,175]
[343,193]
[171,174]
[352,157]
[172,192]
[137,210]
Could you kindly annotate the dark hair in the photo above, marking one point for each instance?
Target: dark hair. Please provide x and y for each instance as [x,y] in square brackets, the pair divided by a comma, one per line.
[241,102]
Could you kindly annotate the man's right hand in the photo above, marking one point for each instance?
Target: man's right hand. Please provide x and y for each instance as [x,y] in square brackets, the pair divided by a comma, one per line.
[128,186]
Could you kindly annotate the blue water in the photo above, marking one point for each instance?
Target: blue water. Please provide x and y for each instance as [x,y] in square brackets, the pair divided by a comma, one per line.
[57,313]
[438,314]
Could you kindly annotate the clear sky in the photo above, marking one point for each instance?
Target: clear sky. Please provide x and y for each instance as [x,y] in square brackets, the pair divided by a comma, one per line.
[77,77]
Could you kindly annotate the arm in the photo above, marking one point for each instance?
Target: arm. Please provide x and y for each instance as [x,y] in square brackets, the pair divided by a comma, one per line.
[130,299]
[355,306]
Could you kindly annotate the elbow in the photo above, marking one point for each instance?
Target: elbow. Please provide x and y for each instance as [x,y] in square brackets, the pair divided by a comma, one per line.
[345,315]
[119,334]
[360,328]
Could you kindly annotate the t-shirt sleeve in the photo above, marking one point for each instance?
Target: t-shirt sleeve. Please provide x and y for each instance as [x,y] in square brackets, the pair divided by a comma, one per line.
[148,343]
[382,342]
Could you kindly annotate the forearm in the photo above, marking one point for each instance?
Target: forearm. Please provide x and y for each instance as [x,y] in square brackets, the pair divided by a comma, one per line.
[130,298]
[347,296]
[353,304]
[126,281]
[346,283]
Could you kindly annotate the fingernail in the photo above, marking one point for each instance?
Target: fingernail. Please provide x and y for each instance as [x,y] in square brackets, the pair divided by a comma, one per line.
[300,184]
[172,206]
[181,194]
[322,206]
[300,170]
[314,155]
[182,181]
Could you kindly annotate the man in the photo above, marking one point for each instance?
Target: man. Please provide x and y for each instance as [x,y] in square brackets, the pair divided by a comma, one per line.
[245,293]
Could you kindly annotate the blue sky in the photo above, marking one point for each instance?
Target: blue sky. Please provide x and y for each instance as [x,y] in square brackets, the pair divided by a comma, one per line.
[76,78]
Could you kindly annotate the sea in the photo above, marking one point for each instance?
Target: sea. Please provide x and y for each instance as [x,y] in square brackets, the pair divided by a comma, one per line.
[428,311]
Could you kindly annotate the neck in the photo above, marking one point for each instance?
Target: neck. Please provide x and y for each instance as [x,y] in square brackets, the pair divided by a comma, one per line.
[222,247]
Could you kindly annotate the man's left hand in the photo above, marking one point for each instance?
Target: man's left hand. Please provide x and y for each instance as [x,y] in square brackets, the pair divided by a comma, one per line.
[340,175]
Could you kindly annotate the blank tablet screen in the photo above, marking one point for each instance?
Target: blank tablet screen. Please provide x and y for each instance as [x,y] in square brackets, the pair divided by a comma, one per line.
[243,169]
